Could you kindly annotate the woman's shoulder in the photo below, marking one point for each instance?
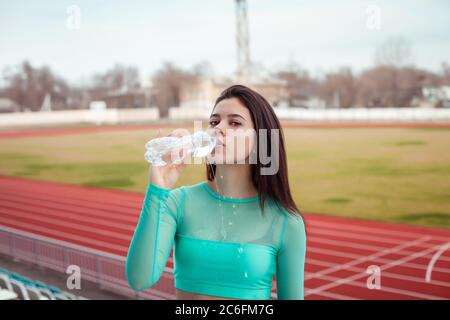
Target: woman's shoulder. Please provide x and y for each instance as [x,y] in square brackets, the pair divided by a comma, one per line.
[293,220]
[186,189]
[189,188]
[290,216]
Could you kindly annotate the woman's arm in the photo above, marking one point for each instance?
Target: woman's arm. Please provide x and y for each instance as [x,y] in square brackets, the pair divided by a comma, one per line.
[291,259]
[153,237]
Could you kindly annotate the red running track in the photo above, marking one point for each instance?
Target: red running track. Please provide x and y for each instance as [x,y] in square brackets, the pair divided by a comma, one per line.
[339,250]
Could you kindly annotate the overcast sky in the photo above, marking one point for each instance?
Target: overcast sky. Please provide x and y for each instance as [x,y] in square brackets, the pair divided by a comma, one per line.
[319,35]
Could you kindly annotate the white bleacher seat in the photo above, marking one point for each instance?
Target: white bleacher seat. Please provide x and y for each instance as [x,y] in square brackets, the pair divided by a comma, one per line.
[60,296]
[6,294]
[69,295]
[19,288]
[47,293]
[35,294]
[5,282]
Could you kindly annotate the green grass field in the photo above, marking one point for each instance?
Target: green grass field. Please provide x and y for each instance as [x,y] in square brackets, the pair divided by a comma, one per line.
[395,175]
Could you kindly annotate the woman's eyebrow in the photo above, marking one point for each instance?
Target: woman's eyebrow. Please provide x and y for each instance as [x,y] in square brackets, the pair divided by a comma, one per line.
[229,116]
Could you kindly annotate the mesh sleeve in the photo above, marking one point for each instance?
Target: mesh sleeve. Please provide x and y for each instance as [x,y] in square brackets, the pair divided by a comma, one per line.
[153,237]
[291,259]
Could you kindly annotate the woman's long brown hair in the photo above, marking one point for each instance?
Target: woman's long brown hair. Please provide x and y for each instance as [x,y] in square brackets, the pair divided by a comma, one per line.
[274,186]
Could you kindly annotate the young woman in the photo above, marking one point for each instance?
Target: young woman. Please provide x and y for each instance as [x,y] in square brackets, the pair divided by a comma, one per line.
[237,229]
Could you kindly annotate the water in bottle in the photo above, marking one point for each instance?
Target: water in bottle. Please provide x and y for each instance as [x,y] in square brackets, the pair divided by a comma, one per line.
[199,144]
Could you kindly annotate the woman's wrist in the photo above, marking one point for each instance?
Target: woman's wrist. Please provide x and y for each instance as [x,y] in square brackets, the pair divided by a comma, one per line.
[153,187]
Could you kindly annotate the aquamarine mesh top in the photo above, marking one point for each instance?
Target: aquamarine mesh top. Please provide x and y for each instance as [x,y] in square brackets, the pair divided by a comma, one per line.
[223,246]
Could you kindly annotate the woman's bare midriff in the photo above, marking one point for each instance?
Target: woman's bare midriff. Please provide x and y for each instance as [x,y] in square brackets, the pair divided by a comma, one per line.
[184,295]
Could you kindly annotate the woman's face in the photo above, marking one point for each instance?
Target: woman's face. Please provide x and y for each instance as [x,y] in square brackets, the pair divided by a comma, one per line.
[233,124]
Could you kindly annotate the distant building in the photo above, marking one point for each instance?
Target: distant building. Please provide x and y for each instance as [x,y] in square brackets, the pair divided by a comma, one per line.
[274,90]
[138,98]
[204,92]
[434,97]
[310,103]
[8,105]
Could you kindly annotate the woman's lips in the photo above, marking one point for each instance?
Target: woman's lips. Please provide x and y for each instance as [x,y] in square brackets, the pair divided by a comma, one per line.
[219,143]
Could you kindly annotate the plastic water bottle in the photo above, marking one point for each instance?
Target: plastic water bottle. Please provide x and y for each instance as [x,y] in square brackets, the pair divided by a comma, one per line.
[199,144]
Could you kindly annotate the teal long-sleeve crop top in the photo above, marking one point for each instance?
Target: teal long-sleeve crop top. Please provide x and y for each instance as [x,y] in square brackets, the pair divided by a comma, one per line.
[223,247]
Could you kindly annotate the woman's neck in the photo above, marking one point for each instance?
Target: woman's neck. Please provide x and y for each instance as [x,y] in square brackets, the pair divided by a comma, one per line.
[233,181]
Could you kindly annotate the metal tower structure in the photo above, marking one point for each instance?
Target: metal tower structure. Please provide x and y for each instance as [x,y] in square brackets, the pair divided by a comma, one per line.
[243,41]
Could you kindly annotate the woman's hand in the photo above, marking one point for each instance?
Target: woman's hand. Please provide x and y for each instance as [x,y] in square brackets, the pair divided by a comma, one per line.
[167,175]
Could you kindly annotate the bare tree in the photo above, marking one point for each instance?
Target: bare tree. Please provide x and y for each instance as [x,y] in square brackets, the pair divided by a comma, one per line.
[168,83]
[394,52]
[339,84]
[117,79]
[300,86]
[387,86]
[27,86]
[203,69]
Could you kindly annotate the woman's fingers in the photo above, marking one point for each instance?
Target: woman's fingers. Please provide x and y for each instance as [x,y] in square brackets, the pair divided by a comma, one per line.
[177,157]
[186,156]
[179,132]
[180,153]
[181,159]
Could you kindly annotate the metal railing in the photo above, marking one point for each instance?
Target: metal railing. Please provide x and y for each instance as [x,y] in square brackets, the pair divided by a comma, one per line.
[104,269]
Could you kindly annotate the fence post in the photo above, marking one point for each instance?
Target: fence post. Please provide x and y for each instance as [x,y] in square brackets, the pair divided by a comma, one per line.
[11,245]
[13,248]
[36,251]
[97,261]
[64,259]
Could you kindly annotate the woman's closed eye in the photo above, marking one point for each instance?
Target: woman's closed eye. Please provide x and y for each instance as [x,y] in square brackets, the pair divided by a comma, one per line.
[232,123]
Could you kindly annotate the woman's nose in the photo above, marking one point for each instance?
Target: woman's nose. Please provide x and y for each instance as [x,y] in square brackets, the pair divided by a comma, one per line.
[216,132]
[219,129]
